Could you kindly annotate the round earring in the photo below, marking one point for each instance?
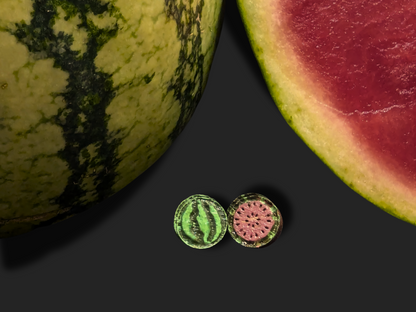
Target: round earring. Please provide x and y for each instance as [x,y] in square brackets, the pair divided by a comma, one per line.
[200,221]
[254,221]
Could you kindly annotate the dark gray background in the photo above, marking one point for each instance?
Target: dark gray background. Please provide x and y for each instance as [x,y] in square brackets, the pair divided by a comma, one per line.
[337,252]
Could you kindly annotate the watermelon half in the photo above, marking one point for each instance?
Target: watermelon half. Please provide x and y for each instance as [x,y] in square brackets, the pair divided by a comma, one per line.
[343,75]
[93,92]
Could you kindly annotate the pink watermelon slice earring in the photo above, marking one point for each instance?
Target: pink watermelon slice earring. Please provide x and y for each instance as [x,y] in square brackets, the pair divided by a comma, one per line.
[254,221]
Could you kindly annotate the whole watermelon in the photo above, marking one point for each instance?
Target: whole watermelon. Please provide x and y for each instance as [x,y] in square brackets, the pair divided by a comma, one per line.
[93,92]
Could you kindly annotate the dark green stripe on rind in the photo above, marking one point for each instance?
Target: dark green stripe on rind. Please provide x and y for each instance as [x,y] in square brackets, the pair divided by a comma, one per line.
[200,221]
[92,156]
[88,93]
[187,92]
[214,220]
[275,231]
[194,223]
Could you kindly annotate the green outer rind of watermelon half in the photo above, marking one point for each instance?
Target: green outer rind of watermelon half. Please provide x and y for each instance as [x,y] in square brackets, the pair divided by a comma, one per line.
[92,93]
[303,106]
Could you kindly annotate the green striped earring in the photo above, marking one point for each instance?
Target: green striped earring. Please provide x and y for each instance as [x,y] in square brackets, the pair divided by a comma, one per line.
[200,221]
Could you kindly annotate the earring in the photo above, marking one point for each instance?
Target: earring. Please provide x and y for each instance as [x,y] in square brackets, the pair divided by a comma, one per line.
[200,221]
[252,220]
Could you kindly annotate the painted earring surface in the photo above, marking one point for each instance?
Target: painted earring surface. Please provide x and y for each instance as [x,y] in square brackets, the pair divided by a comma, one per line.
[200,221]
[254,221]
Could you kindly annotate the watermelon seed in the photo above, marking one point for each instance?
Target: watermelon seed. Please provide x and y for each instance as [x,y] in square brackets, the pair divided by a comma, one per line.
[266,227]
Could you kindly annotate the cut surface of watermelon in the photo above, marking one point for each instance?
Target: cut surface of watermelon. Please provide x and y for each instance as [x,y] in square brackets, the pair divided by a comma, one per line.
[342,75]
[363,56]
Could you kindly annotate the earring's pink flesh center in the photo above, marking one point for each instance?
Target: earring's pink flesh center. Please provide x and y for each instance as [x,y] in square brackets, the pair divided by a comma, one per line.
[253,221]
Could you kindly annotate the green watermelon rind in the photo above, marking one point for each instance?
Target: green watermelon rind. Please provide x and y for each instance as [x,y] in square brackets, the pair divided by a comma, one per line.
[82,36]
[383,190]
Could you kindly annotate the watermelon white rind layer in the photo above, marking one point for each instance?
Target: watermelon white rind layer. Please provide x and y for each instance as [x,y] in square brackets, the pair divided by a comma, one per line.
[309,112]
[92,93]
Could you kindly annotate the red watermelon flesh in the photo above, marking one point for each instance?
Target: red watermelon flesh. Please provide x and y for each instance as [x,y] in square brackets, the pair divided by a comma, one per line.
[342,74]
[253,221]
[363,54]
